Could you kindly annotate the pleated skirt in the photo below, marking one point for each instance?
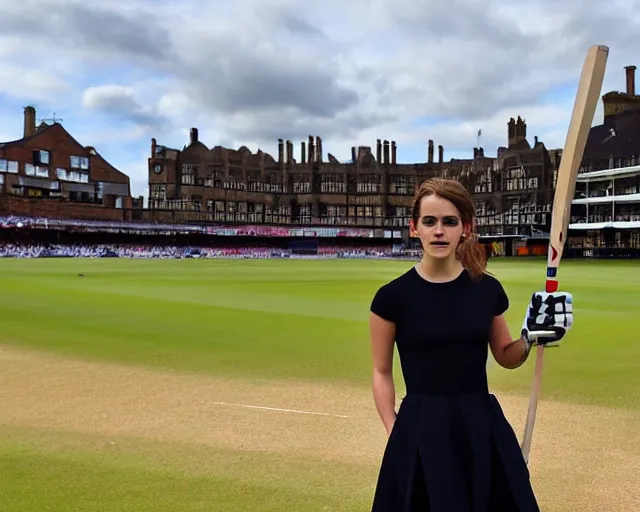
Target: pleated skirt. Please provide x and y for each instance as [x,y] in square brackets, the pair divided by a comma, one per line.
[453,454]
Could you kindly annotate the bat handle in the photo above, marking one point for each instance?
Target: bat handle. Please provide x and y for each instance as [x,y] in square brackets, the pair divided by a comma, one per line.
[551,284]
[533,405]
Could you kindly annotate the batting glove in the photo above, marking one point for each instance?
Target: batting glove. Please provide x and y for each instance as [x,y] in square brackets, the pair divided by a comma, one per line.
[548,318]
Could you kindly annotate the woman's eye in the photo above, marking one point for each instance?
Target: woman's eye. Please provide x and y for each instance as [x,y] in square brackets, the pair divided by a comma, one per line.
[447,221]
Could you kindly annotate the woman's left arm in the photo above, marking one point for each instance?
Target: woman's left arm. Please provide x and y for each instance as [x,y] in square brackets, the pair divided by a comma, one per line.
[507,352]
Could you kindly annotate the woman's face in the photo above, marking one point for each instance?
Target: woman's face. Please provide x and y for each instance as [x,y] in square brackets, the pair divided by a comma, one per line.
[439,227]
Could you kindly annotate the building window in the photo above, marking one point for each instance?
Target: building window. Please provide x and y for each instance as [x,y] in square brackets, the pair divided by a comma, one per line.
[75,176]
[401,185]
[275,184]
[255,182]
[512,212]
[304,216]
[368,183]
[301,184]
[515,179]
[188,175]
[484,184]
[158,191]
[333,183]
[334,214]
[255,212]
[258,186]
[36,170]
[364,200]
[8,166]
[79,162]
[42,157]
[234,182]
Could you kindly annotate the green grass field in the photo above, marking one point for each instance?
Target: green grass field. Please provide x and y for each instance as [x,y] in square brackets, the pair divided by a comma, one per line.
[86,437]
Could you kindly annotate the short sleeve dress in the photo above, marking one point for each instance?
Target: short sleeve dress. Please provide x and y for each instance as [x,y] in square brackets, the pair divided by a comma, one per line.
[451,448]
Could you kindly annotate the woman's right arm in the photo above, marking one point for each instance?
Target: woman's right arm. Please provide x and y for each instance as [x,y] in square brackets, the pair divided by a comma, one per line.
[382,333]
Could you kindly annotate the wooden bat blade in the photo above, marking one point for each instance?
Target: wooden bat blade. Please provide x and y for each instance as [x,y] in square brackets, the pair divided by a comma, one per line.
[533,405]
[584,109]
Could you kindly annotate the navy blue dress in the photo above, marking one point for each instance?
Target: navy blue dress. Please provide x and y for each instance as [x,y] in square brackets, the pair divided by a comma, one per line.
[451,448]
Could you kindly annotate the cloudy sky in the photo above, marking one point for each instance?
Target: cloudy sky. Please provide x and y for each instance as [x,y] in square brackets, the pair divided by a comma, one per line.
[246,72]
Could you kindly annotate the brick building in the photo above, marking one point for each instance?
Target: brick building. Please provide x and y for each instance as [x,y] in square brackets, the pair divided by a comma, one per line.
[48,172]
[515,198]
[219,185]
[226,185]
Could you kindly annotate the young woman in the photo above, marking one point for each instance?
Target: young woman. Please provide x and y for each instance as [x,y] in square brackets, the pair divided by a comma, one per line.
[450,447]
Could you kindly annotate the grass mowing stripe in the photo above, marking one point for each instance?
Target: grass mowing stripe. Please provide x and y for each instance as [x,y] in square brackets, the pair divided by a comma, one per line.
[191,337]
[324,333]
[60,471]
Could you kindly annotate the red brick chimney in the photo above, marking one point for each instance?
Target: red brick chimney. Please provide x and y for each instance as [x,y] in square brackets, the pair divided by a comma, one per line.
[193,135]
[289,148]
[29,121]
[280,151]
[312,150]
[631,80]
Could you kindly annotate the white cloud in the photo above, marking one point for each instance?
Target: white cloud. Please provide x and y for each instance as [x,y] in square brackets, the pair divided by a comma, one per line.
[105,96]
[134,132]
[31,84]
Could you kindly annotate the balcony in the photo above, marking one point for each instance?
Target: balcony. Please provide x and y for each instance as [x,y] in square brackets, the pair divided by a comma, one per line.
[600,199]
[584,226]
[607,174]
[607,199]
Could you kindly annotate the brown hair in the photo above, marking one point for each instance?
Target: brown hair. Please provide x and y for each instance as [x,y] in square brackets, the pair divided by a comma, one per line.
[469,251]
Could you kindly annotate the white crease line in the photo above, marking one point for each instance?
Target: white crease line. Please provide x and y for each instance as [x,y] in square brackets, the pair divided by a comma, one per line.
[281,410]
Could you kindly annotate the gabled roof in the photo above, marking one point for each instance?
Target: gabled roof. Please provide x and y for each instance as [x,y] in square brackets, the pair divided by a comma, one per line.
[39,131]
[89,151]
[98,156]
[43,128]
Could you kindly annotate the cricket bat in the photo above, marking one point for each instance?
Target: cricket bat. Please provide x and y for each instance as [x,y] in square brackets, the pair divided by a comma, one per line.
[584,108]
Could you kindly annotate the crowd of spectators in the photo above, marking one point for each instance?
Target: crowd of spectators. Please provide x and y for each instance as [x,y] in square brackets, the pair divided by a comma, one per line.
[41,250]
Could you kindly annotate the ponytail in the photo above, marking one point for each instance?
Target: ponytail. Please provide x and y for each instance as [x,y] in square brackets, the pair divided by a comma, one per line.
[472,256]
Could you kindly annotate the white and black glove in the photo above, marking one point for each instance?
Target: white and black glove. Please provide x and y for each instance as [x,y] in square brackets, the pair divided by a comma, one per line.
[548,318]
